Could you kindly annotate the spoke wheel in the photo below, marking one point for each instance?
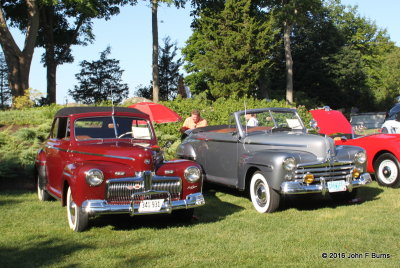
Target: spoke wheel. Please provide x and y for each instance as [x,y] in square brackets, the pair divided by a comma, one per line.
[77,219]
[263,197]
[387,171]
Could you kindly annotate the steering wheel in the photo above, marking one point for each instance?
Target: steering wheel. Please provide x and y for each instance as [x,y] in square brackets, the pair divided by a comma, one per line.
[124,134]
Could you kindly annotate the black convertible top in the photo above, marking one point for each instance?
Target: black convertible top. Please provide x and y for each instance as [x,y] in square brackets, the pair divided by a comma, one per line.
[78,110]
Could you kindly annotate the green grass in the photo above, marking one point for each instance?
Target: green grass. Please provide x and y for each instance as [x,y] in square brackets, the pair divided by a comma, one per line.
[227,233]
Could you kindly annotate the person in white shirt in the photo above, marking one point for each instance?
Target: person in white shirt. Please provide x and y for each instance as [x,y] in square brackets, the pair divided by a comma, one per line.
[251,120]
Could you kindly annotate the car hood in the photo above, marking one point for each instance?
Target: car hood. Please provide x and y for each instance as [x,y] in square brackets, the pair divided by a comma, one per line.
[321,147]
[331,122]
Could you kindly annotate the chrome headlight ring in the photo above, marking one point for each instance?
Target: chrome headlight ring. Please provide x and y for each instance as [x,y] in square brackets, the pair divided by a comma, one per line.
[192,174]
[360,158]
[289,164]
[94,177]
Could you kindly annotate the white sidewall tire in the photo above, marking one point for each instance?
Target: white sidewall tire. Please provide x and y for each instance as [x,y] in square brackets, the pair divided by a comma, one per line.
[387,170]
[264,198]
[77,219]
[42,194]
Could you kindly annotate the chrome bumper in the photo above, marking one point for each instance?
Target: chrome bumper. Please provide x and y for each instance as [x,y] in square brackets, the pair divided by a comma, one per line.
[97,207]
[294,187]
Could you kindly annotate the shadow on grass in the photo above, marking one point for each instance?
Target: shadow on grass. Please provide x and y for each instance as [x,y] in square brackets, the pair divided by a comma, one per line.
[317,201]
[43,253]
[214,210]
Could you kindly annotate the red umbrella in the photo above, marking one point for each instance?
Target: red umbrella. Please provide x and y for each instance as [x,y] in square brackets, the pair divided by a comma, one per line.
[158,113]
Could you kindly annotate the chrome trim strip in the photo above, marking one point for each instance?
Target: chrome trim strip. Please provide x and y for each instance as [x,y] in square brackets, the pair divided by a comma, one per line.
[277,144]
[94,154]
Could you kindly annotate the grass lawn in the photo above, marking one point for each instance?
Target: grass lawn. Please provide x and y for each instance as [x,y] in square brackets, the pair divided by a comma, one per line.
[228,232]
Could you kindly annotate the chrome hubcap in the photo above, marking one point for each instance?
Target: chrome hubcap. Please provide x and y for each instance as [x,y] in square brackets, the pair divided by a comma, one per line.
[261,193]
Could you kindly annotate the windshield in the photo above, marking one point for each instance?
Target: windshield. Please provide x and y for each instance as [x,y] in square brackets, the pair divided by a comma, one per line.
[107,128]
[270,120]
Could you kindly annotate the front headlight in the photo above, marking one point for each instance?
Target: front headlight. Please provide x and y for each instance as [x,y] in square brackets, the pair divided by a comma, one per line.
[94,177]
[289,164]
[360,158]
[192,174]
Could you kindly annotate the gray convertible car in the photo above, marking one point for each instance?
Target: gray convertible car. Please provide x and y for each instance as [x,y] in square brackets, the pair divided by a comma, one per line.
[268,152]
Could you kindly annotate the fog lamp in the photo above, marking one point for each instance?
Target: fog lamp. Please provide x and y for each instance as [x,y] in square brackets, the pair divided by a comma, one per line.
[356,173]
[308,178]
[94,177]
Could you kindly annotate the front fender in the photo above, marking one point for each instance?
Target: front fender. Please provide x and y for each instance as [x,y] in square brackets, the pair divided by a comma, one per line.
[269,162]
[74,176]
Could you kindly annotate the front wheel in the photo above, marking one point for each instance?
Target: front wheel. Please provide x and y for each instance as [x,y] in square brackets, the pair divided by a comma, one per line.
[387,171]
[77,219]
[264,198]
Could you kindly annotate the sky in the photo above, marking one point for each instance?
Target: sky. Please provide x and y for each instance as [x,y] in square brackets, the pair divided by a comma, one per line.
[129,36]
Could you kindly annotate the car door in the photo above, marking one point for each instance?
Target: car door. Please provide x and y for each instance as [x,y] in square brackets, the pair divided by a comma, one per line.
[221,158]
[56,154]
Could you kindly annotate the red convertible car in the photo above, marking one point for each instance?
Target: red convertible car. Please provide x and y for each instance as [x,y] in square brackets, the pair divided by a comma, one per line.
[383,150]
[104,160]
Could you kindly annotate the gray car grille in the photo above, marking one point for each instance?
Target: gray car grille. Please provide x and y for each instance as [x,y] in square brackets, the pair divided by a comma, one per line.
[121,190]
[331,172]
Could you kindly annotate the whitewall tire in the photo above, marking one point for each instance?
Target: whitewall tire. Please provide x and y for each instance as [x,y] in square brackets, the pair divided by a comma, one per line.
[264,198]
[77,218]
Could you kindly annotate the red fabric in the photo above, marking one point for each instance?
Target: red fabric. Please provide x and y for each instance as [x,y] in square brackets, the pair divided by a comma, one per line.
[158,113]
[331,122]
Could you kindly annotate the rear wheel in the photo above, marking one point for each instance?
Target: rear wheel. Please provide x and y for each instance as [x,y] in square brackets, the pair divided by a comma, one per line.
[264,198]
[387,171]
[77,219]
[43,195]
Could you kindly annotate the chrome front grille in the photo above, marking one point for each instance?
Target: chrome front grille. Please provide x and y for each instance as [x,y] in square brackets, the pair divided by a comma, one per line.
[330,172]
[122,190]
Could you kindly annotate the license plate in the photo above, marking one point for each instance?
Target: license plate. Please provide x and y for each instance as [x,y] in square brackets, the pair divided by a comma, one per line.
[150,205]
[337,186]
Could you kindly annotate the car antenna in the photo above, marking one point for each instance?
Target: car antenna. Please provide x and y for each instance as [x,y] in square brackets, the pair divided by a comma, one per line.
[245,111]
[112,102]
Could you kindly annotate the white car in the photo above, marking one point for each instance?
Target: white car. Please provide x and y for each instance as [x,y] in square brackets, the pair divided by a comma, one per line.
[391,127]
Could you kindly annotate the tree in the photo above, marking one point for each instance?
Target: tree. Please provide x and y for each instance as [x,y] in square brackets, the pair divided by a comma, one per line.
[19,61]
[290,13]
[61,25]
[5,92]
[154,11]
[229,51]
[100,81]
[168,70]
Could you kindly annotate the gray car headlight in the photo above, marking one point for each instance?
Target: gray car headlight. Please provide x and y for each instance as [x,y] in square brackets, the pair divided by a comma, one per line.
[192,174]
[94,177]
[360,158]
[289,164]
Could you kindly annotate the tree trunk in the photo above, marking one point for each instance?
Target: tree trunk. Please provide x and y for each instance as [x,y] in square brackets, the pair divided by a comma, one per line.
[47,16]
[19,62]
[156,87]
[287,29]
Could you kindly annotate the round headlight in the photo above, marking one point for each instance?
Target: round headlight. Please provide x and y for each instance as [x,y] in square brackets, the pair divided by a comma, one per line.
[94,177]
[360,158]
[192,174]
[289,163]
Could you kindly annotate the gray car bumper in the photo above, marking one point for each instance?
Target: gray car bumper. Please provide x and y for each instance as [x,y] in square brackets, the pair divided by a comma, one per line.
[98,207]
[294,187]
